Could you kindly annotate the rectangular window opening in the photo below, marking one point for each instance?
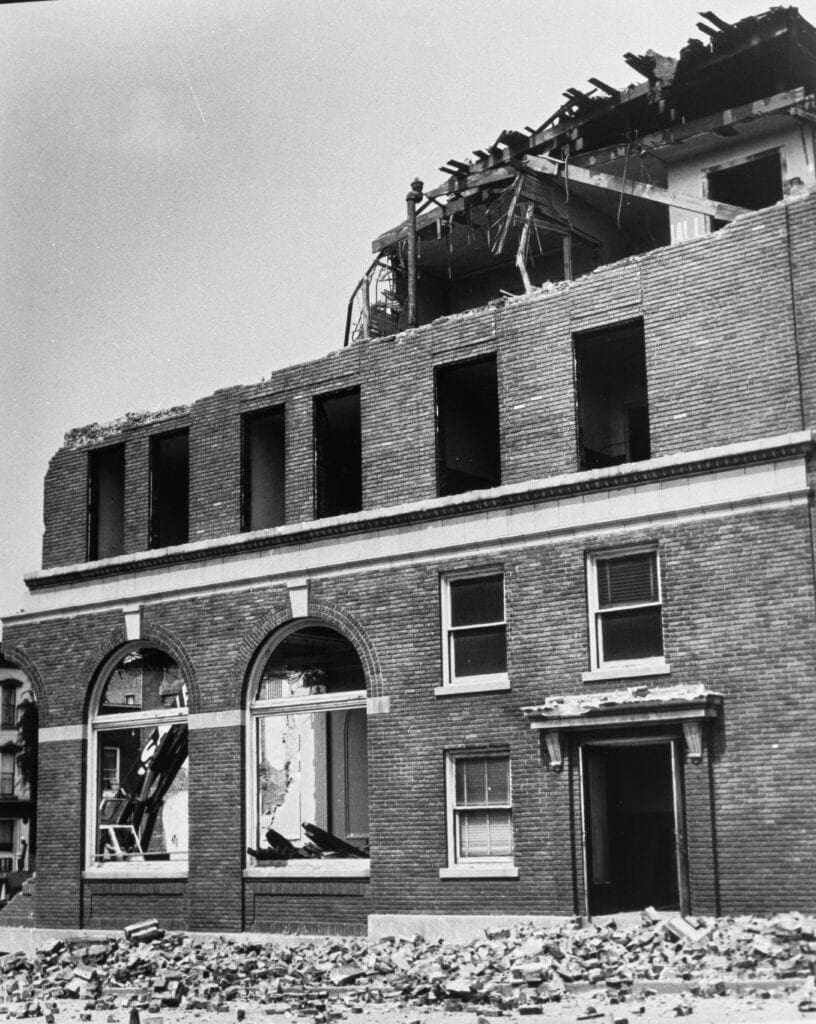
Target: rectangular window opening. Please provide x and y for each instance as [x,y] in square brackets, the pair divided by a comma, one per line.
[479,808]
[474,628]
[7,765]
[106,502]
[8,707]
[338,454]
[312,785]
[6,839]
[626,609]
[467,426]
[142,794]
[754,183]
[264,464]
[613,407]
[169,489]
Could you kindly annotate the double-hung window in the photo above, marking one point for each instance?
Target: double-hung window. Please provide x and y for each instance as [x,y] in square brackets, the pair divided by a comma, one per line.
[474,632]
[480,813]
[626,613]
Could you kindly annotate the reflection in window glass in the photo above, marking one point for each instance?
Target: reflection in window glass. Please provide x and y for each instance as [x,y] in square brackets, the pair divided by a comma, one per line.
[141,782]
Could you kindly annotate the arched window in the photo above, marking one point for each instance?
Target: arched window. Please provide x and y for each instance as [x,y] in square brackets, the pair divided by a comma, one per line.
[138,783]
[309,760]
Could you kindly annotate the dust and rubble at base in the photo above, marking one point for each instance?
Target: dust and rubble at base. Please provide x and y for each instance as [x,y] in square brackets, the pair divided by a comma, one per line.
[511,972]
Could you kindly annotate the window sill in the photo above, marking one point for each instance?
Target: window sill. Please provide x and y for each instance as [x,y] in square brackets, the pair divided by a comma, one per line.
[340,868]
[140,872]
[630,671]
[490,684]
[480,871]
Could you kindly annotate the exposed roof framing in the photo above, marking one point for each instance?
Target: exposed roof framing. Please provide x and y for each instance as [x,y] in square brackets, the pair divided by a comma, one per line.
[628,186]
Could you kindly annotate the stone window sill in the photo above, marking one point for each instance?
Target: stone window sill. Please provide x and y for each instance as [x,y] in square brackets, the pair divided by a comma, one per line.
[480,871]
[339,868]
[487,685]
[135,872]
[604,675]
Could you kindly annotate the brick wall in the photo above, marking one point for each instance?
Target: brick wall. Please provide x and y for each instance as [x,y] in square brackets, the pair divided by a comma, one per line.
[738,617]
[722,366]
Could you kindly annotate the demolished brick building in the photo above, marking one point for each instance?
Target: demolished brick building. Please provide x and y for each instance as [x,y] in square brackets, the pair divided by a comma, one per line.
[507,606]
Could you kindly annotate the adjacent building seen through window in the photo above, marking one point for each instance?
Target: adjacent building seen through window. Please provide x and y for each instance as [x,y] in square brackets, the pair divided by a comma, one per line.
[8,762]
[338,454]
[139,777]
[473,628]
[264,463]
[613,409]
[625,609]
[106,502]
[467,426]
[480,808]
[310,747]
[169,489]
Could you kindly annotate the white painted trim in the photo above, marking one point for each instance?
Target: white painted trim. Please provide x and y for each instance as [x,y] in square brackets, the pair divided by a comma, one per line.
[140,719]
[318,868]
[232,719]
[480,871]
[655,667]
[727,492]
[310,703]
[378,705]
[61,733]
[485,684]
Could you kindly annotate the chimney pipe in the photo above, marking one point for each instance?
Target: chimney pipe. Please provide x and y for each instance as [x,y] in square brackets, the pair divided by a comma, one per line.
[413,197]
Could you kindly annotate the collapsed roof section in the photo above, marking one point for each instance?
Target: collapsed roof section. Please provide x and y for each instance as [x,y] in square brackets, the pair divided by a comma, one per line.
[593,183]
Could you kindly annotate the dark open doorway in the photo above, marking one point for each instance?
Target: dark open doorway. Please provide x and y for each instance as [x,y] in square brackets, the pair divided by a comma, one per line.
[629,825]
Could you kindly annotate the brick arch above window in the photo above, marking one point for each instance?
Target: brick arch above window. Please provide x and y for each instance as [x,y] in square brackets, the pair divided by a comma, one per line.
[152,635]
[319,614]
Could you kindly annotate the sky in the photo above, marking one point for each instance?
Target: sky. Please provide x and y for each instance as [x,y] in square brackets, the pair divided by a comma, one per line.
[189,188]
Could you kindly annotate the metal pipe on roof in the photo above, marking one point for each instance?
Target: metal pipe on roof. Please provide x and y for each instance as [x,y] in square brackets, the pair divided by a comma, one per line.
[411,200]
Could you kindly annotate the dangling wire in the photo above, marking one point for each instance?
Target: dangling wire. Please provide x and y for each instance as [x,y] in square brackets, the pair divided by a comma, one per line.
[623,183]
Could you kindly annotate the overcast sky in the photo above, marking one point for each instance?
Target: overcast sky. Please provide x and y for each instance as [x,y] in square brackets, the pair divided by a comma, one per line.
[189,188]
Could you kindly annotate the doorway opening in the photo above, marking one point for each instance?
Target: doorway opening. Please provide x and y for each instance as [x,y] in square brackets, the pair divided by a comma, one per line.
[631,826]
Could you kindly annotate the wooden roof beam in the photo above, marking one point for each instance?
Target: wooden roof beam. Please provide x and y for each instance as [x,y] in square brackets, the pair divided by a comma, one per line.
[639,189]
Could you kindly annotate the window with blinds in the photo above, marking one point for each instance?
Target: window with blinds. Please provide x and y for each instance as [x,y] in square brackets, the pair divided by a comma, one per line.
[626,608]
[474,628]
[481,808]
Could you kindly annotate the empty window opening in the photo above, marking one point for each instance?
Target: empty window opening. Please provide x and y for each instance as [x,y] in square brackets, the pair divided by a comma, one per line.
[629,822]
[613,409]
[106,502]
[467,426]
[141,765]
[338,454]
[7,836]
[311,759]
[264,463]
[755,183]
[169,489]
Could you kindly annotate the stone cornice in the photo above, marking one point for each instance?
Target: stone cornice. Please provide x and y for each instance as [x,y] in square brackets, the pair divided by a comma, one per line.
[683,464]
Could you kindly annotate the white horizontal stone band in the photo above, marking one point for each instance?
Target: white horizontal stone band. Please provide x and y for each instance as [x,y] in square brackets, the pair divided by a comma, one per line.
[777,483]
[61,734]
[216,720]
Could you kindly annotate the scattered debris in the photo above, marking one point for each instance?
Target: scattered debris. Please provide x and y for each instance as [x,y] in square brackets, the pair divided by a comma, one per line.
[516,971]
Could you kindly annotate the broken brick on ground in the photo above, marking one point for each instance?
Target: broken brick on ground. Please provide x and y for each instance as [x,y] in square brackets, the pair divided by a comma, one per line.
[517,970]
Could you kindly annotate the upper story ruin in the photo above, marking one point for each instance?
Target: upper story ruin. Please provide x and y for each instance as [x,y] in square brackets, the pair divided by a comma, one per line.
[564,283]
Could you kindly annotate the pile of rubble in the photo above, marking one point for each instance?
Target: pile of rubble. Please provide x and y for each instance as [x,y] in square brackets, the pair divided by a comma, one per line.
[516,970]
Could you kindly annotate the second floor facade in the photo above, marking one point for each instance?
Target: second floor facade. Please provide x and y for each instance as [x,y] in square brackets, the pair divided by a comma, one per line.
[693,346]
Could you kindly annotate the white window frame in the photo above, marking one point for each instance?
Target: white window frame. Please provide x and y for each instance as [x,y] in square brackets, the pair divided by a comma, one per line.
[620,669]
[475,867]
[340,867]
[7,688]
[97,727]
[452,684]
